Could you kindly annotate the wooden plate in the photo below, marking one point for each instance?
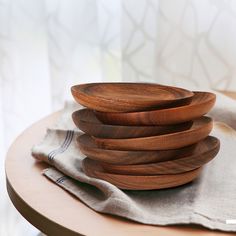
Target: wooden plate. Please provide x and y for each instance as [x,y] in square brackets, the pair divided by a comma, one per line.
[90,149]
[126,97]
[200,129]
[132,182]
[205,151]
[201,103]
[86,120]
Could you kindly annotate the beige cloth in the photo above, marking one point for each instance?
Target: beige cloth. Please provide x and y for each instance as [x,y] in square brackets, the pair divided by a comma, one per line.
[209,201]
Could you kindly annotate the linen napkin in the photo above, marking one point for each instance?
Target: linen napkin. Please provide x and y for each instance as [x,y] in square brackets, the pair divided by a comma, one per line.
[210,200]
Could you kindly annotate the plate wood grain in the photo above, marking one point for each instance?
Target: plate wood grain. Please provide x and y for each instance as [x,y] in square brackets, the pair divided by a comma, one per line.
[90,149]
[205,151]
[86,121]
[126,97]
[201,103]
[200,129]
[133,182]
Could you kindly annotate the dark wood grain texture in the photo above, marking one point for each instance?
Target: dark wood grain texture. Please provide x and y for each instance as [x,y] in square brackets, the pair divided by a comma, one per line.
[200,129]
[205,151]
[132,182]
[201,103]
[126,97]
[86,121]
[90,149]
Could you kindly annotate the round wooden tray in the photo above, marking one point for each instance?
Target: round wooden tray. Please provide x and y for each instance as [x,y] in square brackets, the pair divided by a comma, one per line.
[200,129]
[123,97]
[135,182]
[201,103]
[90,149]
[86,120]
[205,151]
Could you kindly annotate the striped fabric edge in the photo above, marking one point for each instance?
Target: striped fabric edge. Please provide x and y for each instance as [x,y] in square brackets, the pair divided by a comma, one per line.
[66,143]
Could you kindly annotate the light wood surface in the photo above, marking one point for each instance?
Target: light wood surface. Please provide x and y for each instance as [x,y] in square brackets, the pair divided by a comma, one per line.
[127,97]
[55,212]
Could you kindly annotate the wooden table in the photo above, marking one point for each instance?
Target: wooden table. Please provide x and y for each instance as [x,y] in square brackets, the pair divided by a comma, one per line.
[55,212]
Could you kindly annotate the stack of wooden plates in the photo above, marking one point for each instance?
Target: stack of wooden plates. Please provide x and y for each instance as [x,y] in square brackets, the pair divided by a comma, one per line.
[144,136]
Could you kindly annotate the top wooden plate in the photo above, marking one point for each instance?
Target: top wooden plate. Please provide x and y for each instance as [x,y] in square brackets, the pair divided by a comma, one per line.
[126,97]
[201,103]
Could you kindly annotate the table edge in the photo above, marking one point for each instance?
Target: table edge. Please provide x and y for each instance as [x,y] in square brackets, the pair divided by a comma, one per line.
[34,217]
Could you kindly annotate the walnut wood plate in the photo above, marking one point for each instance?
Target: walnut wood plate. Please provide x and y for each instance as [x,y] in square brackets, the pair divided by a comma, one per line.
[201,103]
[200,129]
[126,97]
[86,120]
[205,151]
[90,149]
[132,182]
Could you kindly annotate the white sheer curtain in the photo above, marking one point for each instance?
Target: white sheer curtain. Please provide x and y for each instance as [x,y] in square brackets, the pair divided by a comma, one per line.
[48,45]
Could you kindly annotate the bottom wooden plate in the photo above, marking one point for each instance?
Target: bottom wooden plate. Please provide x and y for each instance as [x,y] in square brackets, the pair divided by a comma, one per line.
[130,182]
[205,151]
